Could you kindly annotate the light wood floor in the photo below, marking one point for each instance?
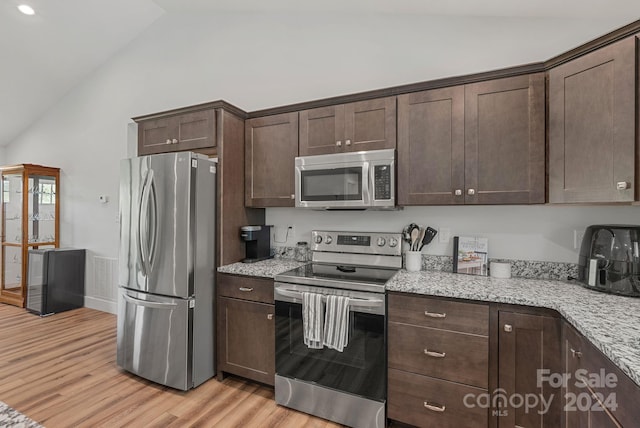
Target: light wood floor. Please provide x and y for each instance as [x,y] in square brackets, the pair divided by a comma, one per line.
[60,371]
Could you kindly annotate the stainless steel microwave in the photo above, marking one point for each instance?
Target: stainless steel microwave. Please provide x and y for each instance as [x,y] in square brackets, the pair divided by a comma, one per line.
[357,180]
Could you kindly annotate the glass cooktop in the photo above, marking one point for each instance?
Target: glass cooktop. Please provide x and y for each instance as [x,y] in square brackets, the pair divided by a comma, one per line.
[339,276]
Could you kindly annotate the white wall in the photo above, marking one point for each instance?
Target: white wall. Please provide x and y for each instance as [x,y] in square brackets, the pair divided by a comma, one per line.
[260,61]
[538,232]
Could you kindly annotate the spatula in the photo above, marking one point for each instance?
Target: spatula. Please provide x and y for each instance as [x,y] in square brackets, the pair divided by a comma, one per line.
[429,234]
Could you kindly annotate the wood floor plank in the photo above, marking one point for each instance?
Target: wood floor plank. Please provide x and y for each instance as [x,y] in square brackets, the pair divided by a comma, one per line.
[61,371]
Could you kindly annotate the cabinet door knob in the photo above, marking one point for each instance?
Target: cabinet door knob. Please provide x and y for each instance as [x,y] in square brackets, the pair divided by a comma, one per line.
[622,185]
[293,196]
[174,141]
[269,316]
[457,192]
[348,142]
[245,289]
[508,328]
[339,143]
[168,141]
[434,407]
[434,314]
[471,192]
[434,353]
[575,354]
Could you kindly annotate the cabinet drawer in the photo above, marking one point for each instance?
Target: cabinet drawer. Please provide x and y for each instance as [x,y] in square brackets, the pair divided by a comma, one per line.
[246,288]
[409,395]
[457,357]
[444,314]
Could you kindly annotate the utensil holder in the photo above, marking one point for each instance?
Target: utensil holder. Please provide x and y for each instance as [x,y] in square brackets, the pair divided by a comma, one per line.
[413,261]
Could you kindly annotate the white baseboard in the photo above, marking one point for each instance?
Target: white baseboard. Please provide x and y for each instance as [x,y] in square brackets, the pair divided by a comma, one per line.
[101,305]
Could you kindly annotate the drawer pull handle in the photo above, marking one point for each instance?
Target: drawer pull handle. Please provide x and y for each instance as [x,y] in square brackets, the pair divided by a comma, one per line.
[576,354]
[434,354]
[434,407]
[269,316]
[434,314]
[246,289]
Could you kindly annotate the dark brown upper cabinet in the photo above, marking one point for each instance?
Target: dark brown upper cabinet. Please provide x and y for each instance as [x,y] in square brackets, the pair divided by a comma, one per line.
[431,147]
[481,143]
[592,126]
[271,148]
[188,131]
[363,125]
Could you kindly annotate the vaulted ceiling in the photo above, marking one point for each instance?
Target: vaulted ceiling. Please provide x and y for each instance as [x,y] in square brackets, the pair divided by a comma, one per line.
[42,57]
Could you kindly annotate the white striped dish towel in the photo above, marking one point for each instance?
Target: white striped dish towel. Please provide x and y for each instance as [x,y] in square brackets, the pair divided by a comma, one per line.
[312,320]
[336,323]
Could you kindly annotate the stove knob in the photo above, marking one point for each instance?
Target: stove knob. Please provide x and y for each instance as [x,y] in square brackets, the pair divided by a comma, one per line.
[318,239]
[393,242]
[381,242]
[328,239]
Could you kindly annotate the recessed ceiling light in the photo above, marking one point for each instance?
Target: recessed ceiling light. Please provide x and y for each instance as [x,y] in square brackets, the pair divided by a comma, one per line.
[26,9]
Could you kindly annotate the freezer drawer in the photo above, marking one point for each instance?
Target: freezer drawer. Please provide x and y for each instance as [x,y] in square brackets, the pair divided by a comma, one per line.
[153,338]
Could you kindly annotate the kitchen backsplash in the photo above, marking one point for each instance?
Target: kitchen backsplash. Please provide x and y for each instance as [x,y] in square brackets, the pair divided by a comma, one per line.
[519,268]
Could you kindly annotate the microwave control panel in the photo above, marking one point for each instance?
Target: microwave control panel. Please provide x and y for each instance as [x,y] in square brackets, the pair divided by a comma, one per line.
[382,182]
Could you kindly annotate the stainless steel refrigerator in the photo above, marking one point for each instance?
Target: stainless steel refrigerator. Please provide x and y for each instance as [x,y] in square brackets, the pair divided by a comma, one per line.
[166,268]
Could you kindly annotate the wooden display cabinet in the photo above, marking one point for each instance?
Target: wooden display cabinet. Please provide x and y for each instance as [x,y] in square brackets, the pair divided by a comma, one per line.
[30,219]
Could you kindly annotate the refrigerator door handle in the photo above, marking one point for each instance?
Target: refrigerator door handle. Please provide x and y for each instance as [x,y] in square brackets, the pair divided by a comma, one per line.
[147,304]
[143,223]
[154,221]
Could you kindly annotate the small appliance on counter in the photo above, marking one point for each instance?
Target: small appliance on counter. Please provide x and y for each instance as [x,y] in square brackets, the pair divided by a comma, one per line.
[258,243]
[55,280]
[610,259]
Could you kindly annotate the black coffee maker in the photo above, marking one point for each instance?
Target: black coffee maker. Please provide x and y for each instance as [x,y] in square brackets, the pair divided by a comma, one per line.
[258,243]
[610,259]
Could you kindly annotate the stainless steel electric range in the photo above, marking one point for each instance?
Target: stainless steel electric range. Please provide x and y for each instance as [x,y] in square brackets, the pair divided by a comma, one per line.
[347,386]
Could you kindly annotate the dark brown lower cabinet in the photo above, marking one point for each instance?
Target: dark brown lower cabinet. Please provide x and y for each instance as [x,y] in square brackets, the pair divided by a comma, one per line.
[596,394]
[246,332]
[541,372]
[529,353]
[438,361]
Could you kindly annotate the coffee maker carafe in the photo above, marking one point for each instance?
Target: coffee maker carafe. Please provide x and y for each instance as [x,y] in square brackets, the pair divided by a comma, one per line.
[258,243]
[610,259]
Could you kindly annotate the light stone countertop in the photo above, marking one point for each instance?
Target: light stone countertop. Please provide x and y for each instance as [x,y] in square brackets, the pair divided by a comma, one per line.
[264,269]
[610,322]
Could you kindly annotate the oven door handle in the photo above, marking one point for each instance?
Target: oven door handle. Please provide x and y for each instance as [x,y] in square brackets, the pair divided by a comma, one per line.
[353,301]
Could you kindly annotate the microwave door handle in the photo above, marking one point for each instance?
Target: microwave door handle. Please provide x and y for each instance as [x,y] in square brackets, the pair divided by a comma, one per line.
[368,188]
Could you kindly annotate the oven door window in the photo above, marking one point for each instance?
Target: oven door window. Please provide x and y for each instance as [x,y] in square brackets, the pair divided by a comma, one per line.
[337,184]
[360,369]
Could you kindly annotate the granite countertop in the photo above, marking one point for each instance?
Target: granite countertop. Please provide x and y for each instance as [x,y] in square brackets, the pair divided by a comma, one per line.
[264,269]
[610,322]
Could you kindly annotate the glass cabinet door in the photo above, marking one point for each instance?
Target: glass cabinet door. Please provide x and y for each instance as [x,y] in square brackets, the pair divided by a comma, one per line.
[41,209]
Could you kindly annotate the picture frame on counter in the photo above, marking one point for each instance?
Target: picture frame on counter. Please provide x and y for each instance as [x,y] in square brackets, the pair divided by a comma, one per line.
[470,255]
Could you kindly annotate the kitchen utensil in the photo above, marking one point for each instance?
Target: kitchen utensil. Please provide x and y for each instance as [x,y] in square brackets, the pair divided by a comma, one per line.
[419,241]
[406,233]
[429,234]
[414,237]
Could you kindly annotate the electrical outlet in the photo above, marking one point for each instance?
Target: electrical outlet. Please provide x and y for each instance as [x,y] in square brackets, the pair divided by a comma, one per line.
[577,238]
[444,234]
[291,234]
